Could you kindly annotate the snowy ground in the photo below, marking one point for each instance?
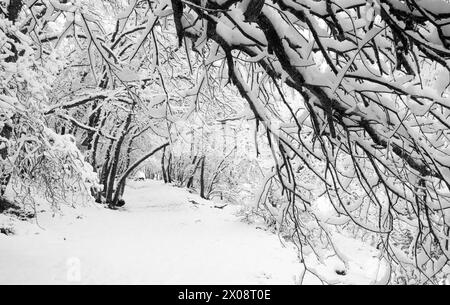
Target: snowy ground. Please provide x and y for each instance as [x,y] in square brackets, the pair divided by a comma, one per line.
[164,235]
[160,237]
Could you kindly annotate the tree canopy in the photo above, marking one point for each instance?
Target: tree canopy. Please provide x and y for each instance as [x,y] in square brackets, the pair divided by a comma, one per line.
[352,98]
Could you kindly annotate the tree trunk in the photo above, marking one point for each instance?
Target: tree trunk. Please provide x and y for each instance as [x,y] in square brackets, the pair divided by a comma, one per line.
[96,140]
[202,178]
[169,172]
[115,160]
[190,182]
[163,167]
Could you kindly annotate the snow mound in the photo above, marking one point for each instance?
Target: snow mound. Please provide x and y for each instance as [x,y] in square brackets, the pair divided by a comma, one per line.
[356,263]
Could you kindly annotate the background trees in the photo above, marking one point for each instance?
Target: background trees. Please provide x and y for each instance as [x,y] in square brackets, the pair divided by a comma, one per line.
[350,97]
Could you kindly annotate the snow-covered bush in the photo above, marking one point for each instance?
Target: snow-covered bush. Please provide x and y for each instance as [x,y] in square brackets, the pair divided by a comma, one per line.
[34,160]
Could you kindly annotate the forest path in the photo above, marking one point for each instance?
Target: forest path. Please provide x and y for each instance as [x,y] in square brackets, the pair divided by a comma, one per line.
[164,235]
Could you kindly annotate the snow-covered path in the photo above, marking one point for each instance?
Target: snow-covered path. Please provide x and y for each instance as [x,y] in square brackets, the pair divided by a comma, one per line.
[164,235]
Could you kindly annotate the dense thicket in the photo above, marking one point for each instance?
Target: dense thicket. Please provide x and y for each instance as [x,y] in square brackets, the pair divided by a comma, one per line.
[351,96]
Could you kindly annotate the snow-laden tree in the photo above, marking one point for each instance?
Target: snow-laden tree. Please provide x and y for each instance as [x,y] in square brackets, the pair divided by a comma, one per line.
[372,77]
[99,94]
[352,93]
[33,158]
